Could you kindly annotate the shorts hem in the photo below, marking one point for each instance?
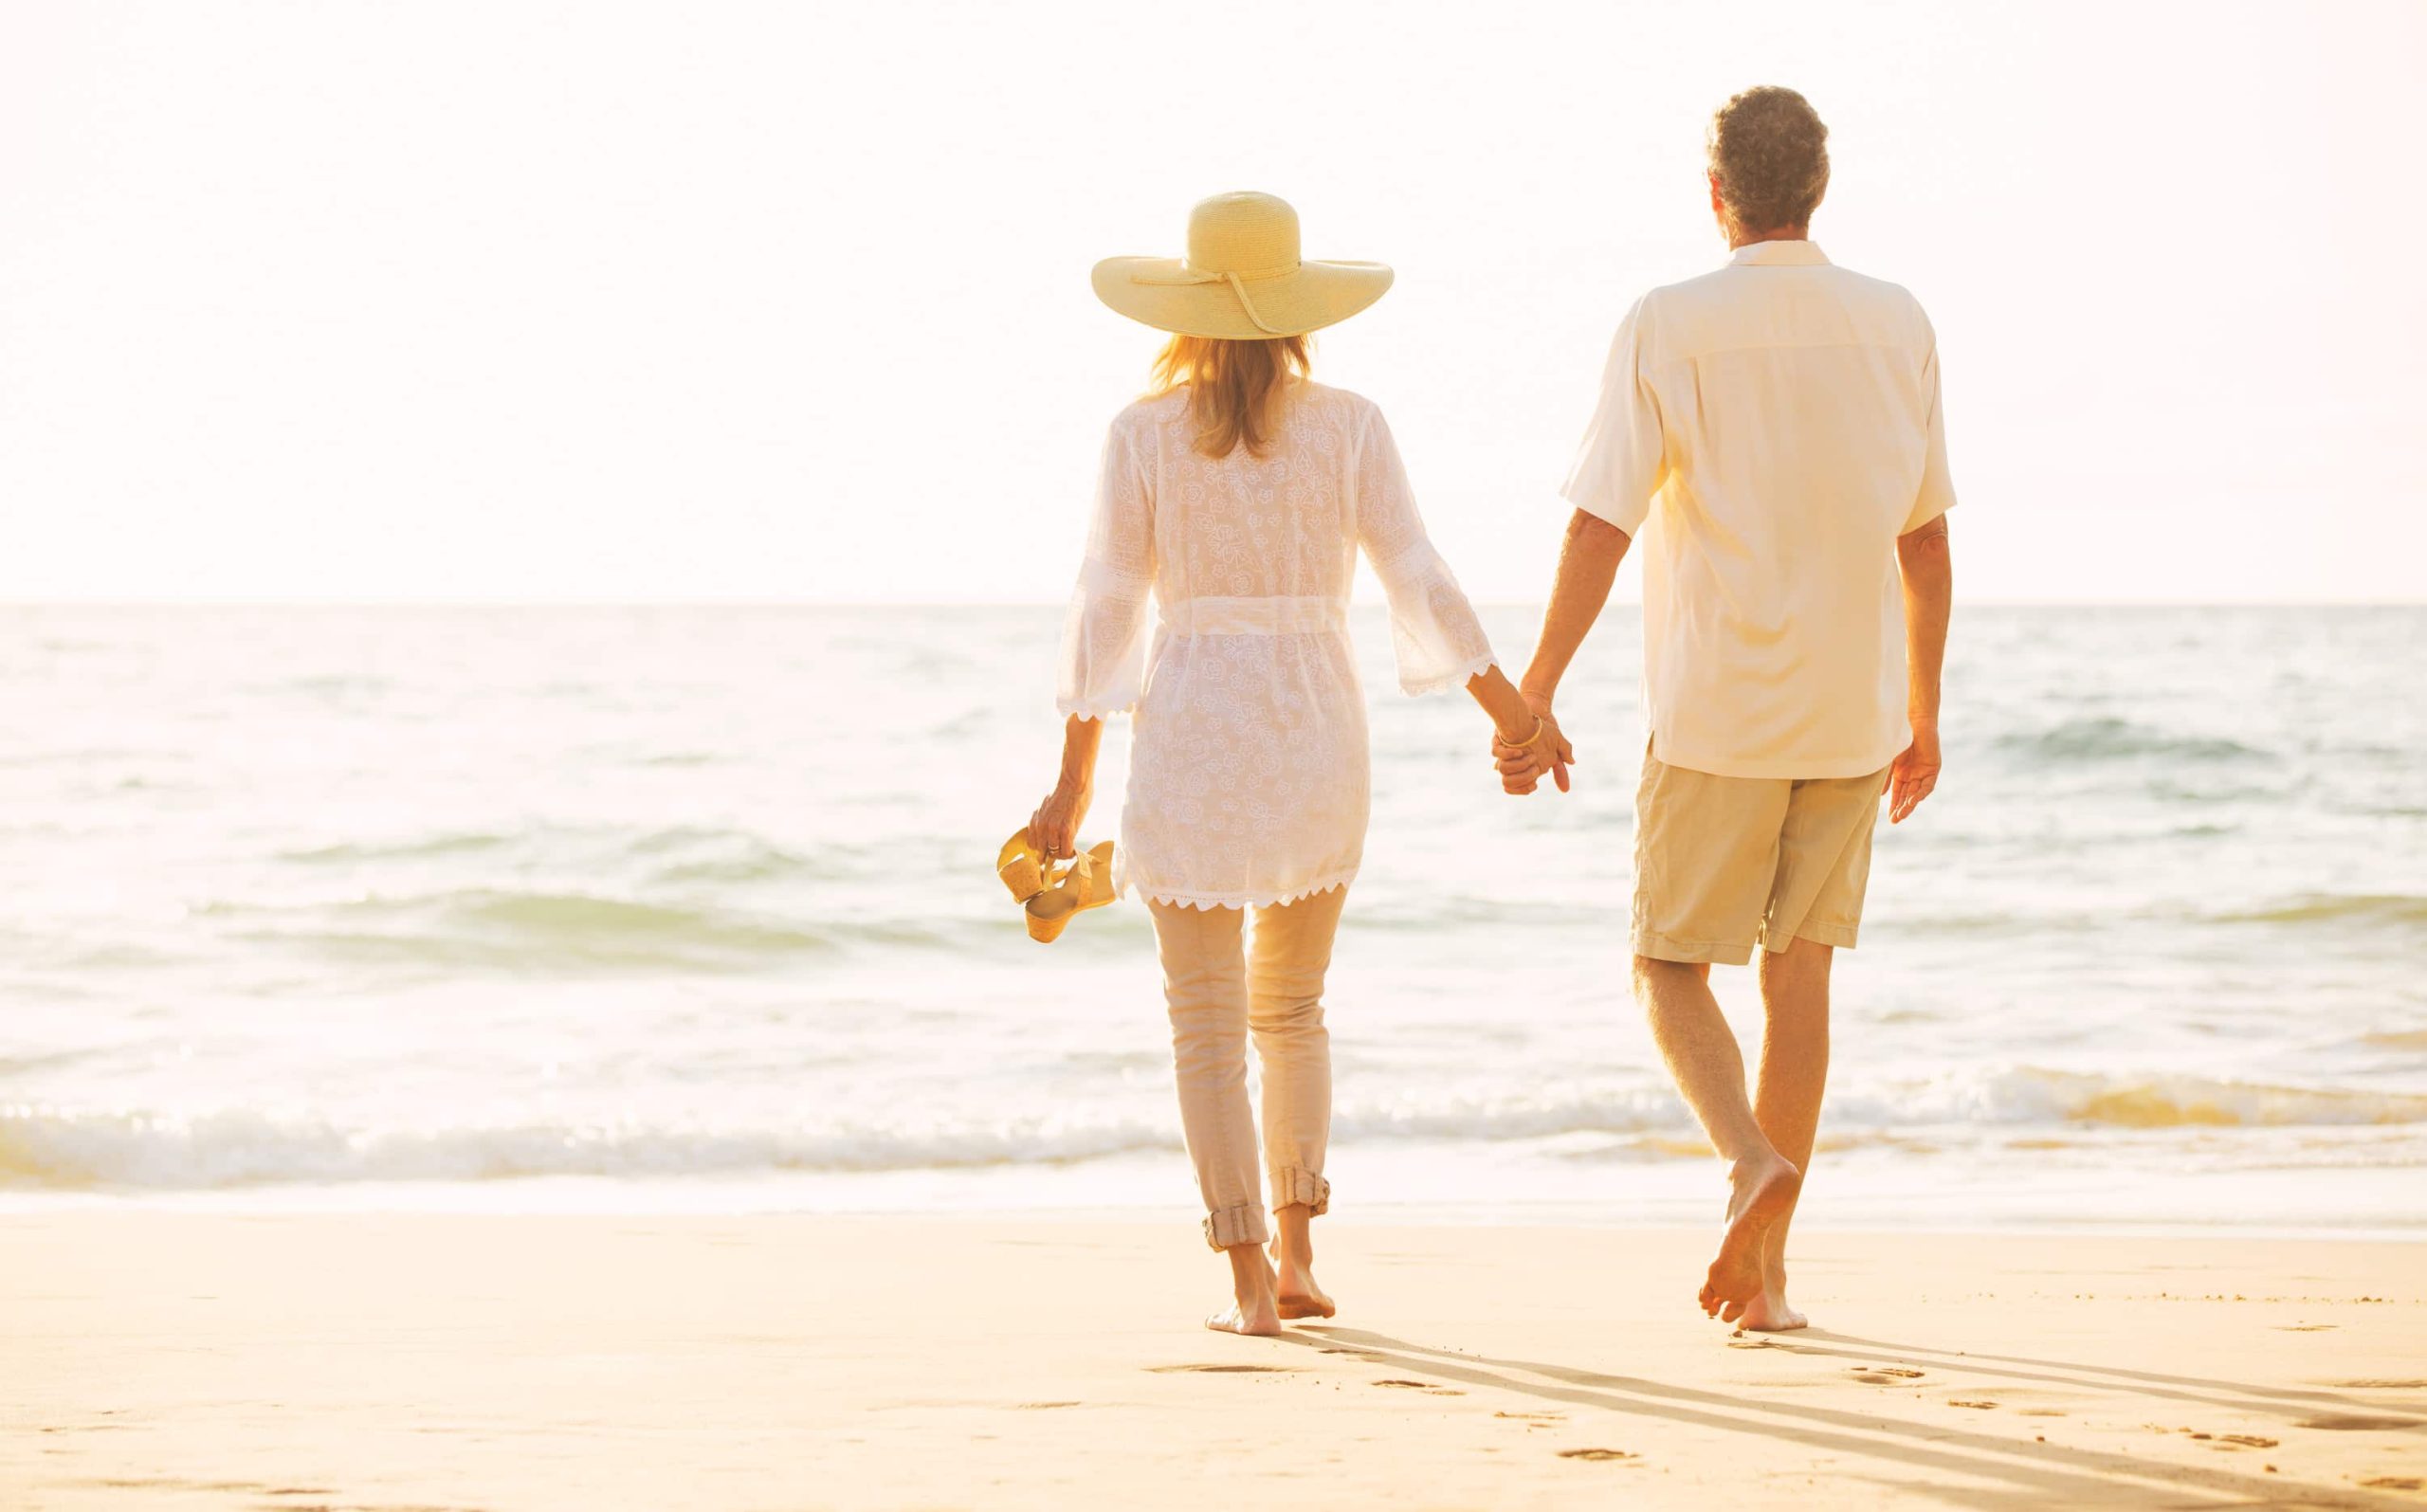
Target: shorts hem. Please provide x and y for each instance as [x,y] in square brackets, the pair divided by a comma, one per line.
[1658,946]
[1840,936]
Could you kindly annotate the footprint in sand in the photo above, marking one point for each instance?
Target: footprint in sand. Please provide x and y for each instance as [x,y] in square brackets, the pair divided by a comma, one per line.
[2041,1411]
[1598,1454]
[2305,1328]
[2396,1482]
[1223,1370]
[1884,1374]
[1538,1419]
[2379,1384]
[2248,1440]
[1985,1407]
[1426,1387]
[2355,1424]
[1043,1407]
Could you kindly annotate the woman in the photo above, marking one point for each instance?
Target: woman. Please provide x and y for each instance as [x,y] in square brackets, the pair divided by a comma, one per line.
[1238,492]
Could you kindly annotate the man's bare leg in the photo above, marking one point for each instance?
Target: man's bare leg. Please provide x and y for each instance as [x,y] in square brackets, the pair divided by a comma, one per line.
[1709,1066]
[1794,1071]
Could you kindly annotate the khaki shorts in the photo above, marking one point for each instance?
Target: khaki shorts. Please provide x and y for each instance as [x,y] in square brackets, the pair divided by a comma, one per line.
[1724,863]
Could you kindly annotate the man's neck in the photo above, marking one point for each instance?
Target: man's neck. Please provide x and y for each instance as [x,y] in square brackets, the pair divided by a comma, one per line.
[1784,233]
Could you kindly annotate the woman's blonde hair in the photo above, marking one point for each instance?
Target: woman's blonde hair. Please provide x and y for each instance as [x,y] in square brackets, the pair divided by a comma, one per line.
[1234,388]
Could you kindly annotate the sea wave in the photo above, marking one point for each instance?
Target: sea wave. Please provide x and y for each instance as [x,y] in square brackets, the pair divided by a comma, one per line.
[2113,739]
[2032,1095]
[487,926]
[681,853]
[46,1147]
[80,1150]
[2317,908]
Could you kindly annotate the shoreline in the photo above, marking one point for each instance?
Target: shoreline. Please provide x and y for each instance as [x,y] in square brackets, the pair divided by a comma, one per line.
[690,1199]
[542,1362]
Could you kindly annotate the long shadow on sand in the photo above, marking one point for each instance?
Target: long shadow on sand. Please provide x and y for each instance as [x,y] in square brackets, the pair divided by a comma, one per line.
[2240,1395]
[2038,1474]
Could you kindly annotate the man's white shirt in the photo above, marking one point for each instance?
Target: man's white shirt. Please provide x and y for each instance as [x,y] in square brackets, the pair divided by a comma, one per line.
[1766,433]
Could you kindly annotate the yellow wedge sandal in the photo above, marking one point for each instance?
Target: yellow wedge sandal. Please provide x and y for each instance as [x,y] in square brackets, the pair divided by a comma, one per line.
[1053,897]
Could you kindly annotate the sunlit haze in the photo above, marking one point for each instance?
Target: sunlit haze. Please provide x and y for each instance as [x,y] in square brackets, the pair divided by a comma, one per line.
[603,302]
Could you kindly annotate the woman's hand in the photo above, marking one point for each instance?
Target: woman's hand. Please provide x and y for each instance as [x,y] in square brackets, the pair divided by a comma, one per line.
[1522,760]
[1055,826]
[1525,741]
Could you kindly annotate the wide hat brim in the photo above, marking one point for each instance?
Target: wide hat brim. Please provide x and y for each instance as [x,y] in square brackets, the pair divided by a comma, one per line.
[1165,293]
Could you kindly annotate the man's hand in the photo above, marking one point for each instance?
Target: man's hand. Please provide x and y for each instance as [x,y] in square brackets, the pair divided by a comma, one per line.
[1521,766]
[1914,773]
[1055,826]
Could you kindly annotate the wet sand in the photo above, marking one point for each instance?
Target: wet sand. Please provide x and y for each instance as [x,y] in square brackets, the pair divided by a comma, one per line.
[460,1363]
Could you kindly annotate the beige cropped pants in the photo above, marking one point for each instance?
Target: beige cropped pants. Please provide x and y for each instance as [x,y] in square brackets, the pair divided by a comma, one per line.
[1220,990]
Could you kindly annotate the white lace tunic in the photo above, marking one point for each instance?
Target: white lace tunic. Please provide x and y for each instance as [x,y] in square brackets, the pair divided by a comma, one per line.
[1248,773]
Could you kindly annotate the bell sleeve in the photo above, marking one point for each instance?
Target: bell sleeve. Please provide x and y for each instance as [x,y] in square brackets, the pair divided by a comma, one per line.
[1437,639]
[1103,636]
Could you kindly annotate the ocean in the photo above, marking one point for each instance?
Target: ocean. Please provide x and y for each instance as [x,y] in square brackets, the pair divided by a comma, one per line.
[650,909]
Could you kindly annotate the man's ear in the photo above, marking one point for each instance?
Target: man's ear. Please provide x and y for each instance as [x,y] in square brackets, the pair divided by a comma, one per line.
[1717,206]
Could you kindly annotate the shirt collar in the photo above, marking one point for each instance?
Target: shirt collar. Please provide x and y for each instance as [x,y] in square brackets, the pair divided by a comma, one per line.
[1780,254]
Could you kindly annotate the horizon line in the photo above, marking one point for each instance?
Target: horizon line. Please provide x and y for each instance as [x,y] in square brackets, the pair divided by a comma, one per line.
[7,603]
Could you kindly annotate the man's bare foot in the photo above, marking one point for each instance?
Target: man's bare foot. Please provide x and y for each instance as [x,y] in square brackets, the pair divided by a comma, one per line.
[1295,1292]
[1770,1312]
[1764,1193]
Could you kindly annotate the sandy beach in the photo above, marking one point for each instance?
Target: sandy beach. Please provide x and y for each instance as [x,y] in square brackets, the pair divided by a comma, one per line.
[462,1363]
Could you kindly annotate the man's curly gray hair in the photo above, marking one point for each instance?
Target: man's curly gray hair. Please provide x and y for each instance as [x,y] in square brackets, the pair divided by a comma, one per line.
[1770,153]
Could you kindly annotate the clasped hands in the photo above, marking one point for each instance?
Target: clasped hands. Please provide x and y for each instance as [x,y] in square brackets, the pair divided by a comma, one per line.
[1524,763]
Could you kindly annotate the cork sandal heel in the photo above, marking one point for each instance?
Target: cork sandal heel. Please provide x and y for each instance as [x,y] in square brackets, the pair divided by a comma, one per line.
[1086,883]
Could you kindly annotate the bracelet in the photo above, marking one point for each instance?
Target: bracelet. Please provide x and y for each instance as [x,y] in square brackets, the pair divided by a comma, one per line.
[1540,728]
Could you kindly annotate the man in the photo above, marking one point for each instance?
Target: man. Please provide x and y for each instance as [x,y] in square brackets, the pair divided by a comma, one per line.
[1773,429]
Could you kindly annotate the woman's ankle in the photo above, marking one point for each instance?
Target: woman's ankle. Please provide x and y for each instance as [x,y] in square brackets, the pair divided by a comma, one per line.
[1293,1234]
[1250,1274]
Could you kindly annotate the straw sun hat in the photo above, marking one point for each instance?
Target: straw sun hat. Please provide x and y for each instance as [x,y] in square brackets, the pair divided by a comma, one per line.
[1242,280]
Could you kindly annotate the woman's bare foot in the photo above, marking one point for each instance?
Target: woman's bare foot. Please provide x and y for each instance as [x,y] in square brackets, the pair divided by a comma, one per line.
[1293,1257]
[1764,1191]
[1255,1310]
[1239,1319]
[1294,1290]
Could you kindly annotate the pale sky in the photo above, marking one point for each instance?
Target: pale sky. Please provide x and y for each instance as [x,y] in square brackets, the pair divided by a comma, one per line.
[606,302]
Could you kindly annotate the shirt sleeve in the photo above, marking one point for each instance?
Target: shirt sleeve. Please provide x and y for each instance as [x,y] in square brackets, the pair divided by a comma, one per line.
[1437,639]
[1620,465]
[1103,636]
[1938,488]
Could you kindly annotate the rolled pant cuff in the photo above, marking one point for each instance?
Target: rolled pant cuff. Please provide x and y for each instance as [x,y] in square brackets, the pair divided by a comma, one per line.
[1242,1225]
[1293,1186]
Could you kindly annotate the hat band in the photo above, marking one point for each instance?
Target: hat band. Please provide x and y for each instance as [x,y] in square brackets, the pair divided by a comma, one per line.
[1192,275]
[1189,276]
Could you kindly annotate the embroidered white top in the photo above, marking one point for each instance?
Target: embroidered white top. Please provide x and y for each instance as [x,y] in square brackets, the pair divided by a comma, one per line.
[1247,769]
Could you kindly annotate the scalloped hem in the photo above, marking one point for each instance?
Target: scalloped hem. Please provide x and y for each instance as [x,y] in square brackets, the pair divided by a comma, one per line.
[1450,681]
[1091,709]
[1243,899]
